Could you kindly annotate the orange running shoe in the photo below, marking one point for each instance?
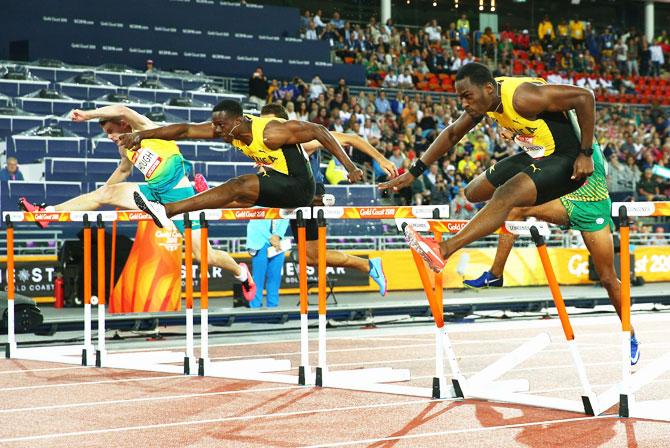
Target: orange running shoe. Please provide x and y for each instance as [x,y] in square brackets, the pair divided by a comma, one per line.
[31,208]
[248,286]
[429,249]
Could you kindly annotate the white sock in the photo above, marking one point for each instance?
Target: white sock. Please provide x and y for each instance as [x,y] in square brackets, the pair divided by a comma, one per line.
[244,274]
[49,208]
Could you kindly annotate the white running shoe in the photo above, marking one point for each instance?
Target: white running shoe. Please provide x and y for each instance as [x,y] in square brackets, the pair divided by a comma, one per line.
[154,209]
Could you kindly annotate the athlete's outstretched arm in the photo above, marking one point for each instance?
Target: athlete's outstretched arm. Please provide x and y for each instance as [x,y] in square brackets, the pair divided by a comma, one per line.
[361,145]
[136,120]
[292,132]
[451,135]
[121,172]
[530,100]
[365,147]
[179,131]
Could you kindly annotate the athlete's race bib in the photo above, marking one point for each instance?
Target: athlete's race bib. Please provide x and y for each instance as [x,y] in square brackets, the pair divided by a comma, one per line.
[526,143]
[147,161]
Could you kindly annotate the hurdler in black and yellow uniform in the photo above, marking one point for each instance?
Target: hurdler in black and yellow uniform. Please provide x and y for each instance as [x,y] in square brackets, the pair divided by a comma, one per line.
[550,146]
[286,180]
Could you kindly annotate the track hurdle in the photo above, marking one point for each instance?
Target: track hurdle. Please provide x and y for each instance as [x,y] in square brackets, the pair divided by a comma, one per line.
[484,384]
[632,382]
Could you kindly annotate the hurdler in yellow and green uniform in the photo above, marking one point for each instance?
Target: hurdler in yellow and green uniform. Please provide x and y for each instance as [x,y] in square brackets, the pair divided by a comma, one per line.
[164,168]
[590,207]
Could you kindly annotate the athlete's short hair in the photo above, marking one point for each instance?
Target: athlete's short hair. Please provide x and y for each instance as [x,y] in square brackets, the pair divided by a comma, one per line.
[104,121]
[477,73]
[275,109]
[231,107]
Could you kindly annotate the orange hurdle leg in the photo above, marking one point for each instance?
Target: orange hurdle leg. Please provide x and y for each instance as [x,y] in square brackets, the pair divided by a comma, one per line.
[304,368]
[100,352]
[322,366]
[11,336]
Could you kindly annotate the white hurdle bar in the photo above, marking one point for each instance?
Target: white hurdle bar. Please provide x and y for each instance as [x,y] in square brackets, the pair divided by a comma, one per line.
[631,382]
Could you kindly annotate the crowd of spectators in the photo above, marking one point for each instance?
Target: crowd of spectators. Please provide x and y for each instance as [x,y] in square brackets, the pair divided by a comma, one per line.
[570,50]
[635,140]
[402,125]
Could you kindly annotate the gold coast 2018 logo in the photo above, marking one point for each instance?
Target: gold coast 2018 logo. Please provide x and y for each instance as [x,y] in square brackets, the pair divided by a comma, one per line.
[170,239]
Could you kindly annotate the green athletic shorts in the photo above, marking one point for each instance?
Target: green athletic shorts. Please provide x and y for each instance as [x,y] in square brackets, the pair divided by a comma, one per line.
[172,195]
[589,216]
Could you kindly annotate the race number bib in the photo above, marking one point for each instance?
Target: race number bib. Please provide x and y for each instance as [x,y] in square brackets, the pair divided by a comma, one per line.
[147,162]
[526,143]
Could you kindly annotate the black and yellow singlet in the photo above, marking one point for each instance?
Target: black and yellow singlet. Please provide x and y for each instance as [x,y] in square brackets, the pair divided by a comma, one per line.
[549,132]
[290,160]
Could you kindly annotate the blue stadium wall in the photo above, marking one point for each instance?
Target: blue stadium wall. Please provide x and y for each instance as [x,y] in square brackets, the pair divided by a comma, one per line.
[217,37]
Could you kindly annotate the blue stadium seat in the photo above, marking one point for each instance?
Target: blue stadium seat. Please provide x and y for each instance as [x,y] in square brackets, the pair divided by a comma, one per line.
[85,129]
[220,172]
[245,168]
[64,169]
[17,87]
[58,192]
[362,195]
[12,124]
[34,191]
[153,95]
[48,106]
[66,146]
[104,148]
[188,150]
[85,92]
[135,176]
[214,152]
[27,149]
[100,170]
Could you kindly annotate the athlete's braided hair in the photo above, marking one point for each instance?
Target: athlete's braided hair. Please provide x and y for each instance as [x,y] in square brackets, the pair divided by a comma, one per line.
[477,73]
[231,107]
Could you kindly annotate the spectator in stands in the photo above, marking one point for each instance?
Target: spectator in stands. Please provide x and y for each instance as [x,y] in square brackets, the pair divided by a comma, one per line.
[434,31]
[545,31]
[657,59]
[11,170]
[336,174]
[576,32]
[382,104]
[562,33]
[620,179]
[316,88]
[397,157]
[318,22]
[306,19]
[463,26]
[258,87]
[460,207]
[621,56]
[149,66]
[659,238]
[336,21]
[488,42]
[268,250]
[632,66]
[648,187]
[310,33]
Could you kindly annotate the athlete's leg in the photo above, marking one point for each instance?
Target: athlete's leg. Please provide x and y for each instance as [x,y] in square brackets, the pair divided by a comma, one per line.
[216,257]
[242,190]
[117,195]
[519,191]
[480,189]
[601,248]
[335,258]
[552,212]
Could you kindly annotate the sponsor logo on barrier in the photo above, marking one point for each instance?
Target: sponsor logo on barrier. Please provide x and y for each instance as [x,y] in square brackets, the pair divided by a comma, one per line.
[634,208]
[168,53]
[14,216]
[292,214]
[140,50]
[83,22]
[190,54]
[250,214]
[218,33]
[373,212]
[137,216]
[165,29]
[332,212]
[426,211]
[169,239]
[244,36]
[82,46]
[112,24]
[54,19]
[578,266]
[420,225]
[137,26]
[221,56]
[111,48]
[190,31]
[46,216]
[456,226]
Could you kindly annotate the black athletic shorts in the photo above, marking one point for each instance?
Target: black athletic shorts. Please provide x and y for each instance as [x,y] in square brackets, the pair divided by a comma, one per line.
[285,191]
[311,227]
[550,174]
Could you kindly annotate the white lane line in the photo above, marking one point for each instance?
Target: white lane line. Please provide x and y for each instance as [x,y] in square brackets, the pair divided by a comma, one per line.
[459,431]
[47,369]
[216,420]
[144,399]
[91,383]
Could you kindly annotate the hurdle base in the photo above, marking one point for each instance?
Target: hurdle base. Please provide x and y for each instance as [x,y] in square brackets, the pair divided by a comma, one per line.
[88,355]
[439,388]
[10,350]
[100,357]
[163,361]
[624,407]
[189,365]
[261,369]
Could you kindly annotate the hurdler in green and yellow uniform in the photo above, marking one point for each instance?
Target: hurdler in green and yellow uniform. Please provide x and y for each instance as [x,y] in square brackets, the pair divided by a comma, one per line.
[165,171]
[590,207]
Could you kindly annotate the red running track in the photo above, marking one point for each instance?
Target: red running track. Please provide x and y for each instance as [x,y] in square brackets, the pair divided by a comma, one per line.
[56,405]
